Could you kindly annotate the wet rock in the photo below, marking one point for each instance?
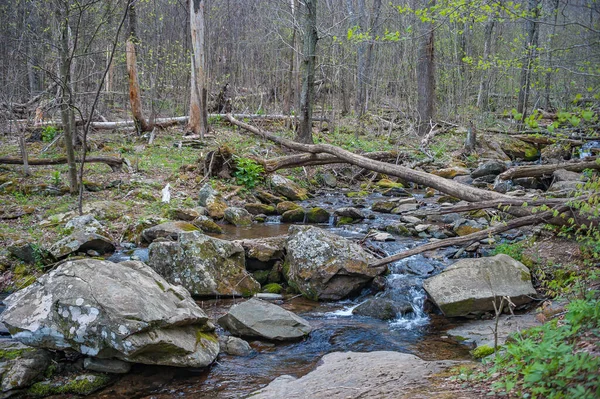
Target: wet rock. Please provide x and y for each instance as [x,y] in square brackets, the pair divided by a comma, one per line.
[483,181]
[317,215]
[207,225]
[493,168]
[410,219]
[381,236]
[452,172]
[293,216]
[288,188]
[80,385]
[133,232]
[481,332]
[366,375]
[531,183]
[466,179]
[471,285]
[447,218]
[257,318]
[234,346]
[329,179]
[111,366]
[398,229]
[21,365]
[81,241]
[238,216]
[384,206]
[382,308]
[350,212]
[325,266]
[465,227]
[502,186]
[170,230]
[285,206]
[396,192]
[186,214]
[258,209]
[267,197]
[203,265]
[112,310]
[212,200]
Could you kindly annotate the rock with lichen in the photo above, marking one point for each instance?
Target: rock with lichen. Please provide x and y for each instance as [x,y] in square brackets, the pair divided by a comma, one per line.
[112,310]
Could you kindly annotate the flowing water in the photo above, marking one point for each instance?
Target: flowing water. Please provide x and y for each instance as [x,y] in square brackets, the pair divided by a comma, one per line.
[335,328]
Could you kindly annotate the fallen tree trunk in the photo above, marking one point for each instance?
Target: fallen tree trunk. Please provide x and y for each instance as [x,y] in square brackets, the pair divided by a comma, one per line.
[299,160]
[116,164]
[547,170]
[458,190]
[542,217]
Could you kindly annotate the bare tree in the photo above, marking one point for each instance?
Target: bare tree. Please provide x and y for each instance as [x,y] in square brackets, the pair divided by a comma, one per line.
[309,55]
[135,98]
[198,122]
[426,75]
[531,53]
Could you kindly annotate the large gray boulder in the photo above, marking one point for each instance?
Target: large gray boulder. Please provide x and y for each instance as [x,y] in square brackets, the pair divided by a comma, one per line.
[325,266]
[370,375]
[170,230]
[257,318]
[288,188]
[238,216]
[213,201]
[470,286]
[204,265]
[112,310]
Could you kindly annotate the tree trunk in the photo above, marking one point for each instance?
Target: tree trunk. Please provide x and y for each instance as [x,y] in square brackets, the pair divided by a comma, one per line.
[482,94]
[548,85]
[289,95]
[198,122]
[425,76]
[66,93]
[135,98]
[531,31]
[365,56]
[308,72]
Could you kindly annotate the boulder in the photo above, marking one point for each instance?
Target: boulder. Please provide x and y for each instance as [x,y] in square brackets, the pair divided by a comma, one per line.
[365,375]
[555,153]
[387,183]
[186,214]
[317,215]
[21,365]
[262,253]
[493,168]
[267,197]
[81,241]
[170,230]
[258,318]
[234,346]
[288,188]
[384,206]
[238,216]
[87,223]
[518,149]
[212,200]
[204,265]
[293,216]
[30,252]
[329,179]
[285,206]
[325,266]
[112,310]
[207,225]
[402,208]
[350,212]
[105,210]
[382,308]
[260,209]
[565,175]
[471,285]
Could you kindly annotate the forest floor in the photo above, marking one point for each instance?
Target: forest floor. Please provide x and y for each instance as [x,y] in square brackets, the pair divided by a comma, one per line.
[26,203]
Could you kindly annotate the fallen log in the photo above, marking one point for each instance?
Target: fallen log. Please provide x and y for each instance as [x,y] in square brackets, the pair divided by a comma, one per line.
[299,160]
[116,164]
[542,217]
[547,170]
[458,190]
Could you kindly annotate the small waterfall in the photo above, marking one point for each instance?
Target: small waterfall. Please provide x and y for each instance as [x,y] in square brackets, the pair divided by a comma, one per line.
[418,317]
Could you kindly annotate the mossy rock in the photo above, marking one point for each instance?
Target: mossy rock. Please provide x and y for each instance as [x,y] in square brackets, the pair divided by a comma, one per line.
[387,183]
[207,225]
[399,229]
[448,199]
[81,385]
[260,209]
[466,230]
[430,192]
[357,194]
[482,351]
[273,288]
[285,206]
[519,149]
[343,220]
[451,173]
[293,216]
[317,215]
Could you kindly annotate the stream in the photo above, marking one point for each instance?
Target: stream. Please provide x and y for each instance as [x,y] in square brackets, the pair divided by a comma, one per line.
[335,328]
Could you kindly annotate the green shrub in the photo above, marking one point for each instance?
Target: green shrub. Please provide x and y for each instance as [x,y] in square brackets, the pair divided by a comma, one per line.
[248,173]
[49,133]
[551,361]
[482,351]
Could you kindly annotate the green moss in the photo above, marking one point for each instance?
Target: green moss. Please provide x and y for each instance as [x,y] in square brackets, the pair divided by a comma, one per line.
[355,194]
[342,220]
[11,354]
[285,269]
[482,351]
[262,276]
[458,308]
[293,216]
[160,285]
[41,389]
[387,183]
[81,385]
[317,215]
[205,336]
[525,276]
[273,288]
